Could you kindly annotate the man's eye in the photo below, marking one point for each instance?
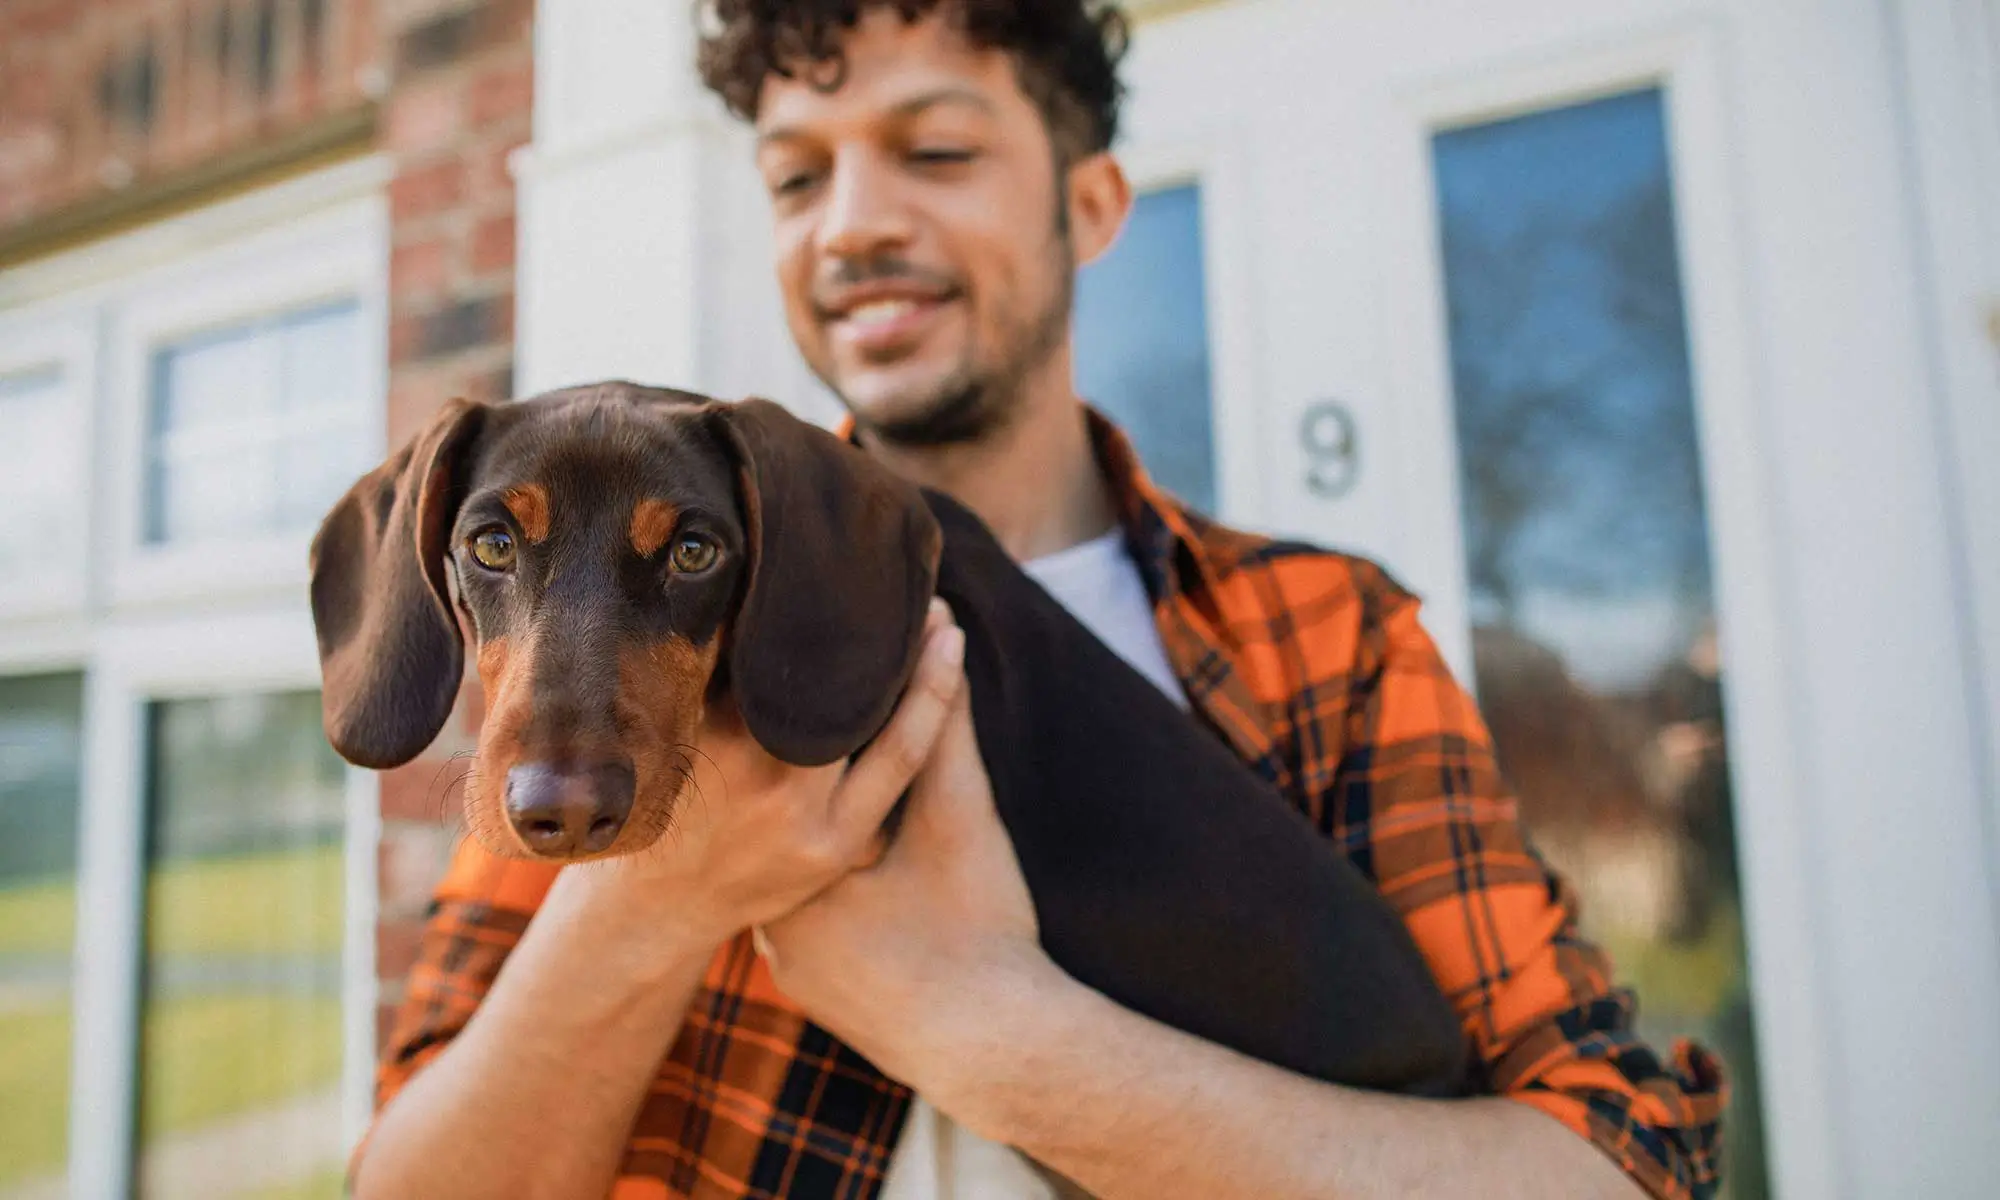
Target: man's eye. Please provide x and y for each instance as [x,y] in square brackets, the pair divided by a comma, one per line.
[941,154]
[492,548]
[792,184]
[694,554]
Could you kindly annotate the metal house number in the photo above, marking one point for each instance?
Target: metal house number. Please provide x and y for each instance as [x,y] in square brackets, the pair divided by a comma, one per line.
[1332,445]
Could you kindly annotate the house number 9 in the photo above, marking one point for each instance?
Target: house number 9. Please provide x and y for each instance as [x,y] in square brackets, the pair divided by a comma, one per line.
[1332,446]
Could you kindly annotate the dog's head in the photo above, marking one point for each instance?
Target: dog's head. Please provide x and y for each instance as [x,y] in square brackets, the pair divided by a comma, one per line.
[622,556]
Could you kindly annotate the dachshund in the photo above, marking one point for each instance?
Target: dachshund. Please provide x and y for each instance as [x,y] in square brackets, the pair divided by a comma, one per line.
[623,556]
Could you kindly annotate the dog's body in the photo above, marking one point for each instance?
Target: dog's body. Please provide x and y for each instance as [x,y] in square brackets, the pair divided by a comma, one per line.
[1163,873]
[658,550]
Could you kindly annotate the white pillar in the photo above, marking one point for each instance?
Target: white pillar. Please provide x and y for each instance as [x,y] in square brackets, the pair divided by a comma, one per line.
[644,249]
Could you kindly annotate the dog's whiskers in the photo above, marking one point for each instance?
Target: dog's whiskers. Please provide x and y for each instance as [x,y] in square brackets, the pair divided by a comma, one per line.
[442,794]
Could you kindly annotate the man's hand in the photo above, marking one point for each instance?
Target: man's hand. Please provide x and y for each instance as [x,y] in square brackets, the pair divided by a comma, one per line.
[900,958]
[538,1093]
[928,962]
[754,837]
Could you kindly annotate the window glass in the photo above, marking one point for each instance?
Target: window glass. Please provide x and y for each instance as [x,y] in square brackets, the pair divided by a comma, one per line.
[240,1039]
[41,738]
[1142,342]
[38,488]
[256,428]
[1587,552]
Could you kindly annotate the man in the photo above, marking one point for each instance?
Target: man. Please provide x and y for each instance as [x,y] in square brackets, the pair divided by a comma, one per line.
[769,1004]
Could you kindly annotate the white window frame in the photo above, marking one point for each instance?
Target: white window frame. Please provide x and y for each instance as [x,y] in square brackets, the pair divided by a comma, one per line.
[62,337]
[333,256]
[154,623]
[134,663]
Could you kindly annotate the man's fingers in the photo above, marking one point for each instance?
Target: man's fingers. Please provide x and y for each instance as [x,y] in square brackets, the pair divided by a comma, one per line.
[885,769]
[952,790]
[936,616]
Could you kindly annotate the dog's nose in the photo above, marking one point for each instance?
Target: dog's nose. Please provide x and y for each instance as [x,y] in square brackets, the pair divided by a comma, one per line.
[569,810]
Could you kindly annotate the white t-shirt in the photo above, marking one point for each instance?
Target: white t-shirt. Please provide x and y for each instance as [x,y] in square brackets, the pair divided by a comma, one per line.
[937,1159]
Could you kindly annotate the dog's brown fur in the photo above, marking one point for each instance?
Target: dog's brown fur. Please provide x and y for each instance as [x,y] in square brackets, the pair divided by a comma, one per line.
[593,646]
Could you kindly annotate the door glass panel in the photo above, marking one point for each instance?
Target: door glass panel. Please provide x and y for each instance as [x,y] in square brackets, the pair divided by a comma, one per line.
[1142,342]
[41,752]
[240,1041]
[1594,625]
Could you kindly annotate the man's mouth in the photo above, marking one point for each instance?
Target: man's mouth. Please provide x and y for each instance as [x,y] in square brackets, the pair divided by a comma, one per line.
[887,323]
[879,312]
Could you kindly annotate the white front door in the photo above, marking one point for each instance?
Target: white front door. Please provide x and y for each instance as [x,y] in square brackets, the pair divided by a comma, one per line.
[1600,323]
[1581,316]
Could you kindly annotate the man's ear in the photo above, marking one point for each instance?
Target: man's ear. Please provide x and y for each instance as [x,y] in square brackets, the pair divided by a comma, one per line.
[843,560]
[389,647]
[1100,202]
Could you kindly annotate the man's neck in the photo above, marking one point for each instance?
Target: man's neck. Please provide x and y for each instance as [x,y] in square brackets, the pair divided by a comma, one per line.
[1034,480]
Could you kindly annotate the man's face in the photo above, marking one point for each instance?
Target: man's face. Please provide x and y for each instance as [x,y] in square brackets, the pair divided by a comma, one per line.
[921,243]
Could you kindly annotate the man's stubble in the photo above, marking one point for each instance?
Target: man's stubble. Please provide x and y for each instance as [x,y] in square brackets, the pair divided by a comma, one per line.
[973,403]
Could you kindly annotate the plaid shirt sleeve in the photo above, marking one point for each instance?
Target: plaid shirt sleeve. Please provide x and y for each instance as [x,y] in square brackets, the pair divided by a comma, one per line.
[751,1101]
[1417,797]
[1314,667]
[478,914]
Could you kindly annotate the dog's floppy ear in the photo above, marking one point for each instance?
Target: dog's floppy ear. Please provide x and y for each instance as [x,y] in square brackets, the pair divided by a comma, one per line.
[844,557]
[389,648]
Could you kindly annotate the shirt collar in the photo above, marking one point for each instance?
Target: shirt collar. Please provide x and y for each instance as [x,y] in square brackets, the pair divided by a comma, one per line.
[1164,537]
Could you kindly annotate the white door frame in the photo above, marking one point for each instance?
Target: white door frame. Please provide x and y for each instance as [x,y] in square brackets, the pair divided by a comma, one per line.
[1948,63]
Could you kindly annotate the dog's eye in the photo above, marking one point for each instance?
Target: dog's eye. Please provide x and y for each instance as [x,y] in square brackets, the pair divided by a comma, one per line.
[694,554]
[492,549]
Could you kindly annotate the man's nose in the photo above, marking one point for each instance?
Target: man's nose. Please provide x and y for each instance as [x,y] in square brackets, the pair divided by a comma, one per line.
[564,811]
[862,216]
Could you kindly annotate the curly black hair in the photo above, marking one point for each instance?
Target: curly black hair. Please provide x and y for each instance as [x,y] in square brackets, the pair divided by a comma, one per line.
[1066,52]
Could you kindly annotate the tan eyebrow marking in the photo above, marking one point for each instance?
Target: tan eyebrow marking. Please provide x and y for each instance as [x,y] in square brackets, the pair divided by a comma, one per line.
[530,505]
[652,525]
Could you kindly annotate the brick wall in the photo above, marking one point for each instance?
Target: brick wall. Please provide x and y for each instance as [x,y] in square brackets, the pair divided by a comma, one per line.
[458,105]
[98,98]
[108,98]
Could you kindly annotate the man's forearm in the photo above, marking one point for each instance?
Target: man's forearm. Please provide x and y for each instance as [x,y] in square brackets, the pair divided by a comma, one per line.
[1127,1107]
[536,1097]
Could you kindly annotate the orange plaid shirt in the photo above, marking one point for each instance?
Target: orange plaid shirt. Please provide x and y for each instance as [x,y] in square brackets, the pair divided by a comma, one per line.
[1313,667]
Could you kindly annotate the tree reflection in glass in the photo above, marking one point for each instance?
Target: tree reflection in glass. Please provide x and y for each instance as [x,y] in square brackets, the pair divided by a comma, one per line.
[1586,534]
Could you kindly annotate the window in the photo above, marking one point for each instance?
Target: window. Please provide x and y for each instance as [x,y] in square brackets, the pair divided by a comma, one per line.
[256,428]
[240,1047]
[41,752]
[36,490]
[178,409]
[1586,535]
[1142,352]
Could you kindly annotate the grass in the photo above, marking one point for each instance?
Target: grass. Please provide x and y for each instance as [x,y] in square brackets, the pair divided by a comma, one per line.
[209,1057]
[38,919]
[327,1185]
[34,1091]
[283,902]
[204,1056]
[1681,980]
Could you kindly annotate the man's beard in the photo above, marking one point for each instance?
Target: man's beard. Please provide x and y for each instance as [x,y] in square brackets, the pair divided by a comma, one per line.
[972,403]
